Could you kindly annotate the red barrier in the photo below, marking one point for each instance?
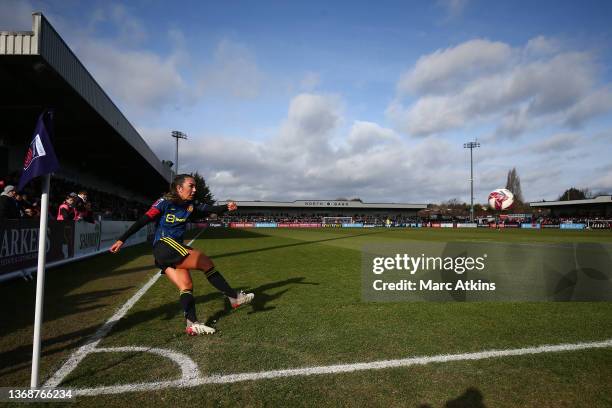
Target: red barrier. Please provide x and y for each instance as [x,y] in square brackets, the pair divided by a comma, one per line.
[241,225]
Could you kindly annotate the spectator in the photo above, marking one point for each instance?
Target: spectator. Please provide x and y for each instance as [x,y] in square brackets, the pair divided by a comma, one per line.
[83,207]
[25,201]
[36,208]
[8,205]
[22,203]
[67,210]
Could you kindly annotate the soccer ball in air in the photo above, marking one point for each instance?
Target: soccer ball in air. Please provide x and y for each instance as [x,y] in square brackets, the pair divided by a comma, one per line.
[501,199]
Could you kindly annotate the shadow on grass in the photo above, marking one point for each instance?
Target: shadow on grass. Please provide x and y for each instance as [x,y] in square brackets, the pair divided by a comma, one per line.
[172,311]
[262,298]
[14,358]
[471,398]
[58,283]
[20,358]
[64,279]
[261,302]
[301,243]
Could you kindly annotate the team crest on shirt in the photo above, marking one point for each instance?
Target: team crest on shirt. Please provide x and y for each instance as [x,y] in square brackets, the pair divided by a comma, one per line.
[190,208]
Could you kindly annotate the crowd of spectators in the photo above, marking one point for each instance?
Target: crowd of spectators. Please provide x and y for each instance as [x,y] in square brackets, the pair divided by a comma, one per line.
[569,220]
[14,204]
[310,219]
[68,201]
[396,220]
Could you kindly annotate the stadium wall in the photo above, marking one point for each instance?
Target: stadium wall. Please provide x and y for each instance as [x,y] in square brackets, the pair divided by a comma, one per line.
[66,242]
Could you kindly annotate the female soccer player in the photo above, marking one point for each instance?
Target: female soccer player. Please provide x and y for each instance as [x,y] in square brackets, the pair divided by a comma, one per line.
[174,258]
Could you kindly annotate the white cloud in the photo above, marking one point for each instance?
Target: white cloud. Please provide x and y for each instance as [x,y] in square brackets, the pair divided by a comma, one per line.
[371,161]
[446,69]
[145,82]
[542,46]
[368,136]
[515,90]
[309,127]
[300,162]
[141,81]
[311,155]
[597,102]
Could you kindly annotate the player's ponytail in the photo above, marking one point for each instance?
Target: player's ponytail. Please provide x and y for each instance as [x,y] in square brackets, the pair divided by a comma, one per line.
[172,195]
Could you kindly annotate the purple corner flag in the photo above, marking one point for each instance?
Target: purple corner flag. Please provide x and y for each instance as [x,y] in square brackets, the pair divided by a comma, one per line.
[40,158]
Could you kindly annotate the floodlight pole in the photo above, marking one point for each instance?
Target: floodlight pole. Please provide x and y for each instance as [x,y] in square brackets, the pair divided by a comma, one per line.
[471,146]
[177,135]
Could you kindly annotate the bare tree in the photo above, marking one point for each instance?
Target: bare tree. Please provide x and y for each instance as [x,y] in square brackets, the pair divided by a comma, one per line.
[513,183]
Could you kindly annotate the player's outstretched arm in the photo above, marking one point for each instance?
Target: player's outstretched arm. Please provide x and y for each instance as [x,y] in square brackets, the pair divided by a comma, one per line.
[141,222]
[205,209]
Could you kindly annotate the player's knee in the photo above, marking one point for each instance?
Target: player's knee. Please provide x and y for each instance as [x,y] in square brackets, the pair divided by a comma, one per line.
[186,283]
[205,263]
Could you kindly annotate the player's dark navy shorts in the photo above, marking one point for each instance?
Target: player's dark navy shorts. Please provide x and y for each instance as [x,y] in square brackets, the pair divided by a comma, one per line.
[169,252]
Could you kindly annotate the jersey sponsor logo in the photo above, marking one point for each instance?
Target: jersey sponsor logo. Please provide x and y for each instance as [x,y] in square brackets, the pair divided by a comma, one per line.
[171,219]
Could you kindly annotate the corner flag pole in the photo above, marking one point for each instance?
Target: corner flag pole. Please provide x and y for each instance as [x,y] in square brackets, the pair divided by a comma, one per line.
[40,160]
[40,279]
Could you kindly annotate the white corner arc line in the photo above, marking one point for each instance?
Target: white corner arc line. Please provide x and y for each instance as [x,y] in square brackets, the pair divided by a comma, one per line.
[340,368]
[189,369]
[95,339]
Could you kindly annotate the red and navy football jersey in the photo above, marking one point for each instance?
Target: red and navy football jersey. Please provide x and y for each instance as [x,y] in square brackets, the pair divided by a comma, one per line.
[171,218]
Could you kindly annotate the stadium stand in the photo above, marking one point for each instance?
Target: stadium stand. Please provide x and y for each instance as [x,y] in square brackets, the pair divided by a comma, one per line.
[93,140]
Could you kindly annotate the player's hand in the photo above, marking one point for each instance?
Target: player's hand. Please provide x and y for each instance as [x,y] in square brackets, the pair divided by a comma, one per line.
[116,246]
[231,206]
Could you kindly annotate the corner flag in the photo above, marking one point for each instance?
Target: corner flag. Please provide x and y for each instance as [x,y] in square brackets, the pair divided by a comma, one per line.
[40,158]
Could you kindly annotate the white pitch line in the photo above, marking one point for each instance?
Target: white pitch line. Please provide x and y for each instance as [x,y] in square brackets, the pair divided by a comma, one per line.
[340,368]
[95,339]
[189,369]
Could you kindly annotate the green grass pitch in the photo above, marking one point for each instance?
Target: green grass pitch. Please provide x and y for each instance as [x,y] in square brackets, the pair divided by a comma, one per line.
[308,312]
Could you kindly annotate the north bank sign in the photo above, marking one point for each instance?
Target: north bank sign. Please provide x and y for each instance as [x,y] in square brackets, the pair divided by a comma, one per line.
[327,203]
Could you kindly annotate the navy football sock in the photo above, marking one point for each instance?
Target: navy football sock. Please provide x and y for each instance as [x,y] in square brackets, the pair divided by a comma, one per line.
[188,303]
[219,282]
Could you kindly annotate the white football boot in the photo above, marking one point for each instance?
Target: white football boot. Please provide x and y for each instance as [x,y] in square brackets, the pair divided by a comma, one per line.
[242,299]
[197,329]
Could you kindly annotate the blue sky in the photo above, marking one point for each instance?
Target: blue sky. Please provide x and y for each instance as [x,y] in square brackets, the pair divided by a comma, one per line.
[311,100]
